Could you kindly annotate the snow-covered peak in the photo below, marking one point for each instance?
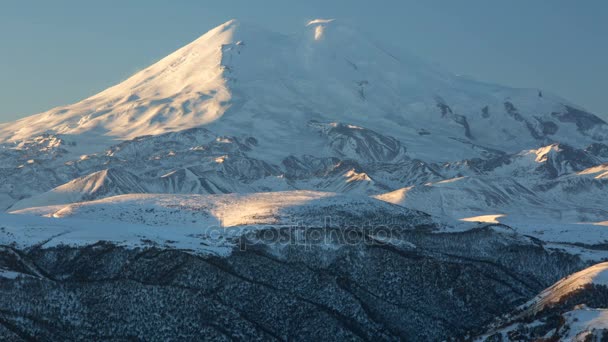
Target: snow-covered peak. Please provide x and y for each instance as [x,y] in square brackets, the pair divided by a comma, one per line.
[542,154]
[188,88]
[319,22]
[319,27]
[239,79]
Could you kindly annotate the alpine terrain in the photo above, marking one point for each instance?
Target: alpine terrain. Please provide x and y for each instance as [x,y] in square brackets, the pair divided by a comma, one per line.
[258,185]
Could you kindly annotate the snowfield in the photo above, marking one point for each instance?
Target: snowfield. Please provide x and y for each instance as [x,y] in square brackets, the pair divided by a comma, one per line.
[311,208]
[582,324]
[202,224]
[24,231]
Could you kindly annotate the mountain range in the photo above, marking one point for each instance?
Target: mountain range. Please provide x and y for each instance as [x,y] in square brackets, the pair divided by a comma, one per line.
[251,131]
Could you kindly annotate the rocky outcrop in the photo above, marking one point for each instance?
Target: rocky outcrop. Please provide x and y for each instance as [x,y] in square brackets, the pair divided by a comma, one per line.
[359,143]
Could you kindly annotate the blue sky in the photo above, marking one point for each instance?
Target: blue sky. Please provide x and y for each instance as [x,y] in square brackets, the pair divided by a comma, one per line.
[58,52]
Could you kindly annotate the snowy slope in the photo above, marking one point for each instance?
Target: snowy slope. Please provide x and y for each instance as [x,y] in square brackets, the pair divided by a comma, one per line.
[190,78]
[308,208]
[594,275]
[585,324]
[573,309]
[99,184]
[26,231]
[209,224]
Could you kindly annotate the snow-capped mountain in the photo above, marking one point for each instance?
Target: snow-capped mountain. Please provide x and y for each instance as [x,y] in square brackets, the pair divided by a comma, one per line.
[488,194]
[239,79]
[244,109]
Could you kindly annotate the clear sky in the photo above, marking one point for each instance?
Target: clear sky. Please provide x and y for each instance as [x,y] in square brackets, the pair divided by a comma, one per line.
[58,52]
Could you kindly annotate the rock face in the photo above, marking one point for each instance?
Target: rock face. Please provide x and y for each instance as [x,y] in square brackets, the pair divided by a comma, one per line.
[358,143]
[417,286]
